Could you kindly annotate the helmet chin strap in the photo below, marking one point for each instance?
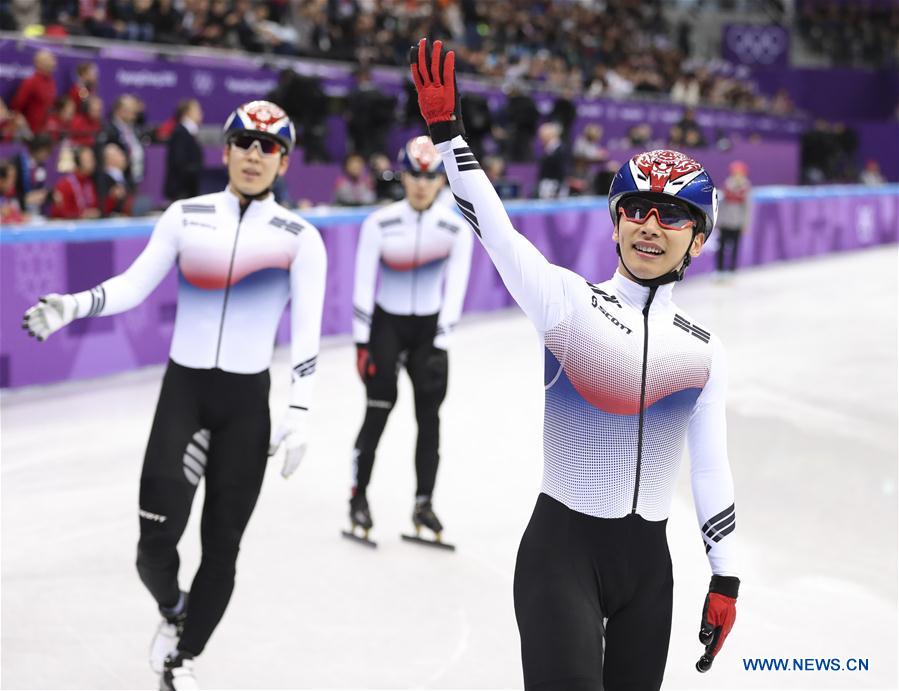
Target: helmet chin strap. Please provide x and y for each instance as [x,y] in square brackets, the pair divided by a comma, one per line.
[259,195]
[673,275]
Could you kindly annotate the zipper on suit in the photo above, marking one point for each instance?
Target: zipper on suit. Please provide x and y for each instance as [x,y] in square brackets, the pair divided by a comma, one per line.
[218,347]
[415,260]
[652,294]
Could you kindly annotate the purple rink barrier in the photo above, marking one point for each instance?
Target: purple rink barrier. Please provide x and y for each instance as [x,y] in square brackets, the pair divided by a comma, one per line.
[788,223]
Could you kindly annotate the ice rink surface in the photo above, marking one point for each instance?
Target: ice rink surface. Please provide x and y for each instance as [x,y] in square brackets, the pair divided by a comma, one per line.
[812,414]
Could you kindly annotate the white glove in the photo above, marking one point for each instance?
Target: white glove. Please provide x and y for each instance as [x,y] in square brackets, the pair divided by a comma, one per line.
[50,314]
[441,340]
[294,434]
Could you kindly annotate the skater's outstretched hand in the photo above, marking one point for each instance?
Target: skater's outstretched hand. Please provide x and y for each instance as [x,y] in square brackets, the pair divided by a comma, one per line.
[292,432]
[434,73]
[49,315]
[718,615]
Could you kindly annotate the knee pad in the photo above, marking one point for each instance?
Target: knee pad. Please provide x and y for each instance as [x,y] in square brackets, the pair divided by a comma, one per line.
[432,375]
[380,391]
[437,363]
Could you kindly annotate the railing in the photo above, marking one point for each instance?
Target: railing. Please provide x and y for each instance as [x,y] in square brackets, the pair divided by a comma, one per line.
[327,216]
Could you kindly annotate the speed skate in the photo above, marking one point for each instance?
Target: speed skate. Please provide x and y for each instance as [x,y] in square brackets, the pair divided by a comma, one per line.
[360,518]
[424,517]
[361,537]
[437,541]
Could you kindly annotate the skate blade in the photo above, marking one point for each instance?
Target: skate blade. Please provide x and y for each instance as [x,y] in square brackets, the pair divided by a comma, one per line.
[428,543]
[361,539]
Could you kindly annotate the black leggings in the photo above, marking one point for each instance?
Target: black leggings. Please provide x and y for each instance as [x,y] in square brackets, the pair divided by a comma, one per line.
[211,424]
[728,247]
[411,337]
[592,600]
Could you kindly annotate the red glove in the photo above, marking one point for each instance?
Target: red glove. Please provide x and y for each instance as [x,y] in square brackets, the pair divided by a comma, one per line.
[435,82]
[364,364]
[718,616]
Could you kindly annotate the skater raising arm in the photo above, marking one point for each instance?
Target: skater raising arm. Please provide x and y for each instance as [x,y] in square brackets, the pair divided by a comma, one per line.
[629,379]
[543,290]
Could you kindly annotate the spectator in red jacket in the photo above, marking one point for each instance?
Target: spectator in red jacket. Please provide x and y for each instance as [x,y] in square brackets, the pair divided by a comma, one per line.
[86,125]
[85,85]
[75,195]
[36,93]
[59,122]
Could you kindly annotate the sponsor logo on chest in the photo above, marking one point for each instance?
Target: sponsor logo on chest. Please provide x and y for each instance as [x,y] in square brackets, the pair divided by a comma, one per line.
[595,301]
[191,222]
[600,296]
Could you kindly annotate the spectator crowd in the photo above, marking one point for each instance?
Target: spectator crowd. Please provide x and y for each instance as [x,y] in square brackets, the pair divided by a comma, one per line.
[616,48]
[100,160]
[858,34]
[607,48]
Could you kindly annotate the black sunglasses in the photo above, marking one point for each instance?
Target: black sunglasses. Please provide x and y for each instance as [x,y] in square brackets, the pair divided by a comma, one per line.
[427,175]
[267,146]
[671,216]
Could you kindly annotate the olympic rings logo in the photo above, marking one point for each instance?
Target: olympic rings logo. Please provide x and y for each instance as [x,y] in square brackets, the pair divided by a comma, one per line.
[757,44]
